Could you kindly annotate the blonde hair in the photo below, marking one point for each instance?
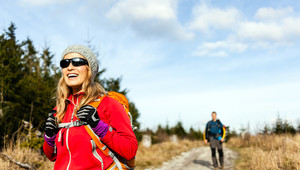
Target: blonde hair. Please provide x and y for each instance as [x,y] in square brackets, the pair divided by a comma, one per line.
[90,88]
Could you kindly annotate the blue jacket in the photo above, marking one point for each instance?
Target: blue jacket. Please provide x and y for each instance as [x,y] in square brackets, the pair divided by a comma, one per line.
[214,129]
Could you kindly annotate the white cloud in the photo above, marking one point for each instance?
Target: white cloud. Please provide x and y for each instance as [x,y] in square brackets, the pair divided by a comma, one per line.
[44,2]
[273,26]
[273,14]
[292,26]
[270,29]
[203,52]
[273,32]
[207,18]
[149,18]
[261,31]
[143,10]
[220,48]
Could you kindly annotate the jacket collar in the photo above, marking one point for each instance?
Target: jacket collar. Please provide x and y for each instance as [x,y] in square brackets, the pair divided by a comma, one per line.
[73,98]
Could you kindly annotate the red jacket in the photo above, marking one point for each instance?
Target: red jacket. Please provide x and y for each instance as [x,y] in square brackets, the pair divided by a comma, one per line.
[74,145]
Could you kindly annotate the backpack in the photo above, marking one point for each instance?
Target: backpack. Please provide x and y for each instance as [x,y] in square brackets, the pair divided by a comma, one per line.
[221,134]
[119,162]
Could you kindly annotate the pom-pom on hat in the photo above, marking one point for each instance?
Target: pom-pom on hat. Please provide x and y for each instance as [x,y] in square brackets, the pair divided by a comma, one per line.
[87,53]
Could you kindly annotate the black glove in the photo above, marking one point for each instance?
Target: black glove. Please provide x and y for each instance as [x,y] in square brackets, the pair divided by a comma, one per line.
[89,115]
[51,127]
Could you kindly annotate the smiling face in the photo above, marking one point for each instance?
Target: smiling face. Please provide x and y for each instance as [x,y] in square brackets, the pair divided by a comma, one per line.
[75,76]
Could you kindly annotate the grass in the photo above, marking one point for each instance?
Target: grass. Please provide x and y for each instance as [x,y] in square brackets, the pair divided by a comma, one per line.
[256,152]
[145,158]
[264,152]
[24,155]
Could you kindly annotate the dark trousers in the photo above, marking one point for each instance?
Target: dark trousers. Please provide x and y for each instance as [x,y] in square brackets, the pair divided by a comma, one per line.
[216,145]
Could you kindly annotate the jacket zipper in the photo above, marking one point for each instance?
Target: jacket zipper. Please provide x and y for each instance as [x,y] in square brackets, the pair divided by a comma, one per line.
[67,135]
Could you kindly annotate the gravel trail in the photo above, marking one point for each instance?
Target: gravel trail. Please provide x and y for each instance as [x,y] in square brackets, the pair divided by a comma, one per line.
[198,158]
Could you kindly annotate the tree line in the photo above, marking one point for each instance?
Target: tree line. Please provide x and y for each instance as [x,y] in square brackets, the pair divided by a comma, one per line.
[280,127]
[163,133]
[28,80]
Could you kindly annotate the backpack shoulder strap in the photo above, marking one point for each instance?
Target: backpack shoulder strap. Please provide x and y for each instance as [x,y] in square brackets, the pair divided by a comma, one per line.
[218,122]
[206,131]
[104,149]
[97,101]
[90,131]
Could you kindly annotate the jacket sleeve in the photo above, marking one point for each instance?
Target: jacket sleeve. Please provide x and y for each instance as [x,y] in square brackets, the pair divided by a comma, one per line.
[49,151]
[120,138]
[206,131]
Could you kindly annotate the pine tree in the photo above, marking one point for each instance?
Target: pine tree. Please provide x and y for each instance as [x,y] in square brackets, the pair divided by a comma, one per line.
[195,135]
[179,130]
[26,87]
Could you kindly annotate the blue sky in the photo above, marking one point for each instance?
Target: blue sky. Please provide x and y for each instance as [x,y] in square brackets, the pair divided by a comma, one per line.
[181,59]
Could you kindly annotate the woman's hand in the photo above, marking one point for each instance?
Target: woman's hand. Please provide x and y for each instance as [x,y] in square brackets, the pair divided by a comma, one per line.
[51,127]
[90,115]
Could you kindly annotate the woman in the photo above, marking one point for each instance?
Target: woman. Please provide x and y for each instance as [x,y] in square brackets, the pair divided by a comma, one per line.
[66,140]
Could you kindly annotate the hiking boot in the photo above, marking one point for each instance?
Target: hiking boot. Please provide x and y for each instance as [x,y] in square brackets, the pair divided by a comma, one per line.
[222,167]
[221,160]
[215,162]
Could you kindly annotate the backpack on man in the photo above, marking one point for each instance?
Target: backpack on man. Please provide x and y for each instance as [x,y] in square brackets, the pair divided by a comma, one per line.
[221,133]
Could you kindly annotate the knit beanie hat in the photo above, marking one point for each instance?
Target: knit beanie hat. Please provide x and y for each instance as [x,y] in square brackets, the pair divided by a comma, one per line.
[87,53]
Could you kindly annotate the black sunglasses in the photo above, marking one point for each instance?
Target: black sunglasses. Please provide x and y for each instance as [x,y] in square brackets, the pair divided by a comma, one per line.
[75,62]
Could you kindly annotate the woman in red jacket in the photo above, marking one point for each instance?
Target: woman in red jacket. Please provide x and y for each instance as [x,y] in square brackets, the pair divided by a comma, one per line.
[66,140]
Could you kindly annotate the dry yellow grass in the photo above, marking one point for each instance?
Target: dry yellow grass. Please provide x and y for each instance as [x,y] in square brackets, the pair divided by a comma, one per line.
[146,157]
[24,155]
[159,153]
[268,152]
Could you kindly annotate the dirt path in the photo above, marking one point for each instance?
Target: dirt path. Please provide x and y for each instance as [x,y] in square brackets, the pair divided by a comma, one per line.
[198,158]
